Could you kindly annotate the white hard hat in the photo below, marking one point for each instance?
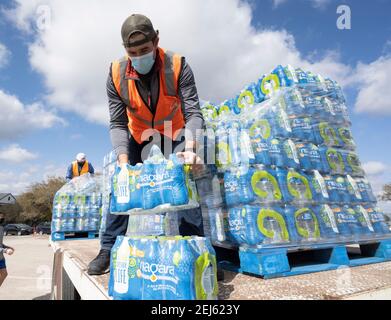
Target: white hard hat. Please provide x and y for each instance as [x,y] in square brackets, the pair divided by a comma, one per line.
[80,156]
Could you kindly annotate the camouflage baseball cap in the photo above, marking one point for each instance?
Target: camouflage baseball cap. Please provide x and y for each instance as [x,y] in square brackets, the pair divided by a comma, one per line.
[137,23]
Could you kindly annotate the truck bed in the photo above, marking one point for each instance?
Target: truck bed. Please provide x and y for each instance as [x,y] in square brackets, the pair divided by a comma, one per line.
[365,282]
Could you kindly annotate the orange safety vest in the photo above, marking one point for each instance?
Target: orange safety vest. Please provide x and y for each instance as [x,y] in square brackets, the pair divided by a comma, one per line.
[75,169]
[168,118]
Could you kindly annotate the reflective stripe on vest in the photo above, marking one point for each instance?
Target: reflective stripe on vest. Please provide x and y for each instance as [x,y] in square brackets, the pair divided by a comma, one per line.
[75,169]
[168,105]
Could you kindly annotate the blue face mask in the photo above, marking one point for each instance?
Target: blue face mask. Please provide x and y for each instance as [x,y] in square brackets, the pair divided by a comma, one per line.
[143,64]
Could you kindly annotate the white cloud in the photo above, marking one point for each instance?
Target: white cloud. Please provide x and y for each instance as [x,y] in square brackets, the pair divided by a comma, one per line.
[17,119]
[54,170]
[9,182]
[385,206]
[378,174]
[374,86]
[15,154]
[319,4]
[5,55]
[17,181]
[277,3]
[224,50]
[375,168]
[217,38]
[76,136]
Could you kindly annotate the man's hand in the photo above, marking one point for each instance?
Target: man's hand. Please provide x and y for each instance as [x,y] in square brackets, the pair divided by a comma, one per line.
[189,157]
[9,251]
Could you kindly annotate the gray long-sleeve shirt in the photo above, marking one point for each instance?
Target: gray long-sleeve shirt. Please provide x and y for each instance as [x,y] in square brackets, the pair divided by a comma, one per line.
[149,84]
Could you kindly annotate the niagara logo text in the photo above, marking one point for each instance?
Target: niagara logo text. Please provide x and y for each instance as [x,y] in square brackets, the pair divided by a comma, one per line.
[156,268]
[147,178]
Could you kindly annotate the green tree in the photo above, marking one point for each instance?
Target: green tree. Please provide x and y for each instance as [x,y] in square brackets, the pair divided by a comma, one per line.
[11,212]
[37,202]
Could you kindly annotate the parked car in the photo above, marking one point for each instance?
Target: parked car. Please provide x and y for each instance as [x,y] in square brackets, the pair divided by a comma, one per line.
[43,228]
[17,229]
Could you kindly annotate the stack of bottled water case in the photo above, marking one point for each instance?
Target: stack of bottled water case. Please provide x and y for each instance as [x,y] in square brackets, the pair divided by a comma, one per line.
[152,261]
[287,172]
[157,185]
[77,205]
[163,268]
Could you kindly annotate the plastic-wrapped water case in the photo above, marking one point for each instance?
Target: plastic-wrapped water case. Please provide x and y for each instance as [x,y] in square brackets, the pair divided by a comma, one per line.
[305,224]
[377,219]
[295,186]
[163,268]
[329,231]
[245,185]
[256,225]
[77,205]
[156,186]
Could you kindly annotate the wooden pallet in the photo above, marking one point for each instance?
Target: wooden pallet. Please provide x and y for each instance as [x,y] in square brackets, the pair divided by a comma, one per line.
[289,261]
[74,235]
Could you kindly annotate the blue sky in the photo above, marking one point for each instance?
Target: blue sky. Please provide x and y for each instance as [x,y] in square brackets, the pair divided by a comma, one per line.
[76,120]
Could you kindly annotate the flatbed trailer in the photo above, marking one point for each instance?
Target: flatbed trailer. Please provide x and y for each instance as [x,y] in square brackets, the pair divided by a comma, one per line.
[372,281]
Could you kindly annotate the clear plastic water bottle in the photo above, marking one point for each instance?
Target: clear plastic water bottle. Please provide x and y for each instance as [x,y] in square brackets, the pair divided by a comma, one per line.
[223,153]
[304,156]
[365,190]
[56,224]
[327,223]
[276,152]
[294,102]
[81,218]
[70,219]
[93,218]
[302,129]
[234,142]
[260,132]
[290,154]
[247,154]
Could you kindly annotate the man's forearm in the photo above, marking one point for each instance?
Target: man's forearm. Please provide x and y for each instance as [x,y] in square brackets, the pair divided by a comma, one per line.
[120,142]
[119,132]
[190,106]
[194,129]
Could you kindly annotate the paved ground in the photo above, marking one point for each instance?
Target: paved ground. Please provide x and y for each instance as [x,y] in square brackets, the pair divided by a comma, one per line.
[29,269]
